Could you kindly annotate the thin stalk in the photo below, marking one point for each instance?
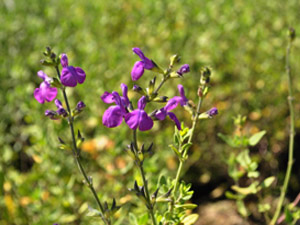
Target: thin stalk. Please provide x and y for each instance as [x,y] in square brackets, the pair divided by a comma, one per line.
[291,140]
[195,119]
[77,156]
[140,165]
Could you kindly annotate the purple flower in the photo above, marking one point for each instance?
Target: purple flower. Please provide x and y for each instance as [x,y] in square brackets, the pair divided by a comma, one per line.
[113,116]
[182,99]
[52,114]
[45,92]
[60,109]
[138,68]
[172,104]
[183,69]
[212,112]
[70,75]
[139,118]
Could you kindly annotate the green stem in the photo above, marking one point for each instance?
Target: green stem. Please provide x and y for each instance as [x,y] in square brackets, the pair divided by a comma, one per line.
[77,156]
[291,140]
[140,165]
[195,119]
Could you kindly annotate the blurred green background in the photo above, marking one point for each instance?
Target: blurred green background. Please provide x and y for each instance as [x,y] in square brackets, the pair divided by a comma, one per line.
[242,41]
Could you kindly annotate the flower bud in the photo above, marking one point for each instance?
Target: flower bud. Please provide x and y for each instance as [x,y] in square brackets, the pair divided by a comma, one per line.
[174,59]
[139,90]
[64,60]
[212,112]
[80,106]
[205,76]
[46,63]
[292,33]
[52,114]
[183,69]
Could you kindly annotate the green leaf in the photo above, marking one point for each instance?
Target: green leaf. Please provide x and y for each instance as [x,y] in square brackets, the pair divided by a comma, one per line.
[231,195]
[143,219]
[133,219]
[244,159]
[186,146]
[253,174]
[267,182]
[175,150]
[252,189]
[190,219]
[93,212]
[255,138]
[227,140]
[186,206]
[242,208]
[288,215]
[264,207]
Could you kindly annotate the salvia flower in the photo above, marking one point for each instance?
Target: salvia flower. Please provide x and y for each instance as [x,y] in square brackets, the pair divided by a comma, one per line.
[114,115]
[183,69]
[172,104]
[45,92]
[70,75]
[182,99]
[52,114]
[139,118]
[60,109]
[139,67]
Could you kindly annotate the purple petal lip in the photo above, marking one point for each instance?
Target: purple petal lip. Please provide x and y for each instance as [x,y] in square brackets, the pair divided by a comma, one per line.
[112,117]
[70,76]
[139,119]
[148,64]
[45,93]
[107,98]
[142,103]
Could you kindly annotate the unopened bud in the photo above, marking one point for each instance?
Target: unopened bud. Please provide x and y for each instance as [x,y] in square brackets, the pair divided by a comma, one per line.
[200,92]
[174,59]
[292,33]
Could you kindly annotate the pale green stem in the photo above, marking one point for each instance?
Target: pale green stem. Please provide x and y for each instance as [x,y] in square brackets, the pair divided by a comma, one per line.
[291,140]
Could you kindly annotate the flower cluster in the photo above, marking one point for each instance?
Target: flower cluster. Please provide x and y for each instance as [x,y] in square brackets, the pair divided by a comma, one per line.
[69,77]
[139,118]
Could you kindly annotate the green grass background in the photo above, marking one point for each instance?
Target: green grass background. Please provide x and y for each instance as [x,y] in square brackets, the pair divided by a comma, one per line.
[242,41]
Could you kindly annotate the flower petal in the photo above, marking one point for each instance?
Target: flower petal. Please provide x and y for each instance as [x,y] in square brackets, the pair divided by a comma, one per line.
[38,96]
[174,118]
[69,76]
[132,119]
[172,103]
[142,103]
[125,98]
[161,114]
[51,94]
[80,75]
[107,98]
[148,64]
[184,100]
[145,123]
[112,117]
[137,70]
